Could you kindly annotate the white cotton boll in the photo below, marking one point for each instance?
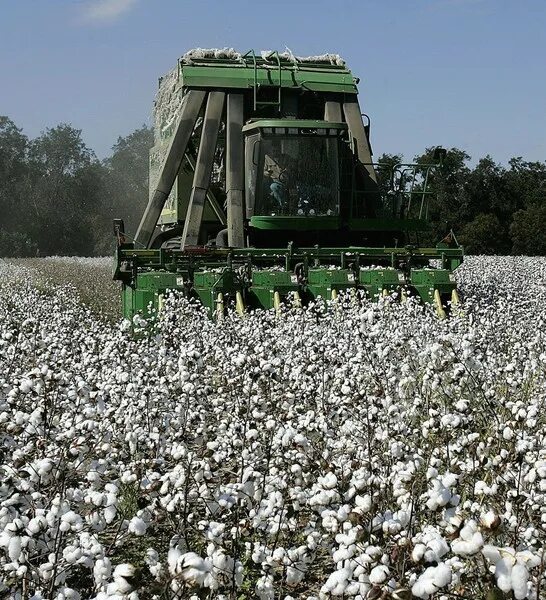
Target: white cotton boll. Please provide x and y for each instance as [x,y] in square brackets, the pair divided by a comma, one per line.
[102,570]
[529,559]
[137,526]
[173,557]
[442,575]
[492,553]
[294,575]
[424,586]
[109,513]
[469,542]
[432,473]
[343,553]
[193,568]
[329,481]
[432,580]
[264,588]
[36,524]
[337,582]
[379,574]
[121,574]
[252,434]
[14,548]
[73,520]
[124,570]
[46,571]
[25,386]
[72,554]
[436,548]
[363,503]
[507,433]
[490,520]
[418,552]
[503,572]
[520,577]
[151,557]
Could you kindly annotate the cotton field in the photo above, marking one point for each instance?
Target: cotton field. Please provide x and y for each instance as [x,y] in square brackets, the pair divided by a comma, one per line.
[369,451]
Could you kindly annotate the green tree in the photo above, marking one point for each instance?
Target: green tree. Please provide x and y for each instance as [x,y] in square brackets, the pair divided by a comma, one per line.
[526,183]
[125,185]
[449,206]
[487,190]
[528,231]
[483,235]
[64,197]
[14,240]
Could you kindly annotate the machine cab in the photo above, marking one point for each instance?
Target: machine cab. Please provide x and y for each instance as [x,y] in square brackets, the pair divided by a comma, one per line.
[293,178]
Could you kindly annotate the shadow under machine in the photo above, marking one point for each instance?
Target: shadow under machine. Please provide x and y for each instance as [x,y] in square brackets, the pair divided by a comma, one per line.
[263,191]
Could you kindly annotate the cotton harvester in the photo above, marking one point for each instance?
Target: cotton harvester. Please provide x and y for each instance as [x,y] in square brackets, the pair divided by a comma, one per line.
[263,191]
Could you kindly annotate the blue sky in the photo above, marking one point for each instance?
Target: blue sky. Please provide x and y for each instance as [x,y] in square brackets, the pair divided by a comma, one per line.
[464,73]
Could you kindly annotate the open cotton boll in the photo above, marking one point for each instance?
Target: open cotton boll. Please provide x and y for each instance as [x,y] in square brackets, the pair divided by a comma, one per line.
[14,548]
[121,575]
[490,520]
[264,588]
[102,570]
[124,570]
[470,540]
[520,577]
[337,582]
[329,481]
[503,572]
[67,593]
[137,526]
[173,557]
[379,574]
[432,580]
[193,569]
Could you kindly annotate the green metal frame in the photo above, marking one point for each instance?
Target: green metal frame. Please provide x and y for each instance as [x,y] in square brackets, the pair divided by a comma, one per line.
[327,223]
[251,72]
[275,124]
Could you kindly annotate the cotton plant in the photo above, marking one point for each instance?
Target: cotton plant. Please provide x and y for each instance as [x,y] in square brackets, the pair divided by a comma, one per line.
[372,452]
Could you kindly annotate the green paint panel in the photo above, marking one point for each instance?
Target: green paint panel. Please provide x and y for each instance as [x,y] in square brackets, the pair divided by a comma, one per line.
[235,74]
[381,277]
[144,297]
[331,277]
[294,124]
[321,282]
[276,280]
[426,281]
[208,284]
[266,283]
[325,223]
[431,276]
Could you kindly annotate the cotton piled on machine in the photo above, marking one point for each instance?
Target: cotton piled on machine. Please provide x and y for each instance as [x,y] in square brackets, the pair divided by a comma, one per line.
[263,192]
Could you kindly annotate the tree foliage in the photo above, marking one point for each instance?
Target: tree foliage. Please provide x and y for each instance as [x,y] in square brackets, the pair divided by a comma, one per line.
[56,197]
[491,209]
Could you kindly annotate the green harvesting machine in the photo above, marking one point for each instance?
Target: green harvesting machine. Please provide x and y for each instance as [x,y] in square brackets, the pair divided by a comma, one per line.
[263,191]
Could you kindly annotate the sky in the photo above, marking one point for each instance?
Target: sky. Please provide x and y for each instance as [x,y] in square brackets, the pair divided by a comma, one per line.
[469,74]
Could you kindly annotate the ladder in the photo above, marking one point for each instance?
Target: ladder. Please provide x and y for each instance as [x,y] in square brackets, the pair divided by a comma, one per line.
[256,87]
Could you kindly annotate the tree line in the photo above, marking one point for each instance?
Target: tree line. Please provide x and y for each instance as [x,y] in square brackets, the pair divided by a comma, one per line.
[56,197]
